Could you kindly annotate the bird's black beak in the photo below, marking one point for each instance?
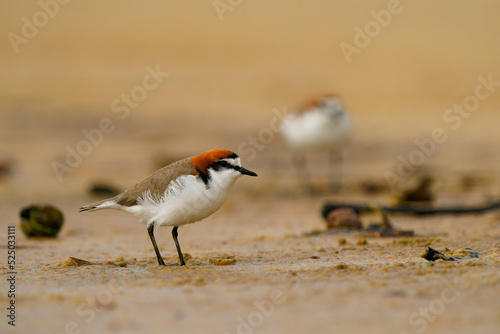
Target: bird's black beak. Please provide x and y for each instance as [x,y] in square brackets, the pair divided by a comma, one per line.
[245,171]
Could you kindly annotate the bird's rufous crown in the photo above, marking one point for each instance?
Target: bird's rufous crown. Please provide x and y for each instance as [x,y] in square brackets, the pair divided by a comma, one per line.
[202,161]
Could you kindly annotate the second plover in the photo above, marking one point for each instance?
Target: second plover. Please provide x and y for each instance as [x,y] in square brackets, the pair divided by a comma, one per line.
[322,124]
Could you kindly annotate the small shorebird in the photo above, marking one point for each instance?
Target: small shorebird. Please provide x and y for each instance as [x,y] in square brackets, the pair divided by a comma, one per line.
[323,124]
[183,192]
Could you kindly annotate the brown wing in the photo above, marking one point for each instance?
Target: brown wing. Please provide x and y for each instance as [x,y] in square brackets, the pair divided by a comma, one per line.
[157,182]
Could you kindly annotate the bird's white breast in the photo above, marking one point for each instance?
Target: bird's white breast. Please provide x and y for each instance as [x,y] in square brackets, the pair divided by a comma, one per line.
[186,200]
[315,131]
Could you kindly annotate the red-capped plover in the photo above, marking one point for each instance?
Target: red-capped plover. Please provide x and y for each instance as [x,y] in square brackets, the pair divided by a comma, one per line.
[322,124]
[183,192]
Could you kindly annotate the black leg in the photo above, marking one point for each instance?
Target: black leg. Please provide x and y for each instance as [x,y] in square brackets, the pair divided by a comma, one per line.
[151,235]
[299,160]
[336,159]
[174,234]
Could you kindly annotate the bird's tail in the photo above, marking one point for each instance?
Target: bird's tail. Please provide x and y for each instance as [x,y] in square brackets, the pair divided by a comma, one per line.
[97,205]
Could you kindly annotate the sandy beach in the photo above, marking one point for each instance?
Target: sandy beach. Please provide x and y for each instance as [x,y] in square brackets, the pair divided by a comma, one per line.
[109,92]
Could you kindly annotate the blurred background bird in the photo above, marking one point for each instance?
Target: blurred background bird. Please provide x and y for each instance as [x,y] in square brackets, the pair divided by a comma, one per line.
[324,125]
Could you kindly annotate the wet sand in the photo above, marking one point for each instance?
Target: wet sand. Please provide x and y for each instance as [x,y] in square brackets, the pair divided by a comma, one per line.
[225,79]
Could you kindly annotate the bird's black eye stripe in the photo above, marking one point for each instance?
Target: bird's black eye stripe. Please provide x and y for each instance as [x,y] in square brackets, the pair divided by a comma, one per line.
[225,164]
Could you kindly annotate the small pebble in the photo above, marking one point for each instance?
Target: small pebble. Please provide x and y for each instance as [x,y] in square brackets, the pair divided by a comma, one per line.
[341,266]
[101,189]
[222,261]
[41,221]
[362,242]
[343,218]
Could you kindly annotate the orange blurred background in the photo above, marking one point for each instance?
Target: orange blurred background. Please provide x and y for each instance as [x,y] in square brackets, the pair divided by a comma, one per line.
[229,68]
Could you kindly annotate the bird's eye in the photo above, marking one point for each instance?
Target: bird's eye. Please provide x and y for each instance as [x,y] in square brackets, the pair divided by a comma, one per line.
[223,163]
